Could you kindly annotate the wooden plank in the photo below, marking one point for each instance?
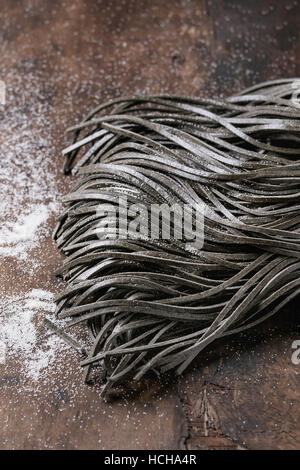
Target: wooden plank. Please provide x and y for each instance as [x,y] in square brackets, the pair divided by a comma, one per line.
[58,61]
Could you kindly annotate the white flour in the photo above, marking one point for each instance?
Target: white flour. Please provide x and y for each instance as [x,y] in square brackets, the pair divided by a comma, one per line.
[19,237]
[30,160]
[28,199]
[23,336]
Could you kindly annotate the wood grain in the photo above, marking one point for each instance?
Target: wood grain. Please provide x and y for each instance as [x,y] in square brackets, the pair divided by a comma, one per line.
[243,394]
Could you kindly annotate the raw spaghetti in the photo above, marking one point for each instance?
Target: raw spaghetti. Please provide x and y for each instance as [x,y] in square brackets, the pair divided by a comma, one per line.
[154,304]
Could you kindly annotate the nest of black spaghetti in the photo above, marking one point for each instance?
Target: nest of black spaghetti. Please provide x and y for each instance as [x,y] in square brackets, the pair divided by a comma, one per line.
[156,303]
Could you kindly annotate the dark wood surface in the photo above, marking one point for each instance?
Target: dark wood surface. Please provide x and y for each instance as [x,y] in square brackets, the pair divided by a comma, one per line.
[242,393]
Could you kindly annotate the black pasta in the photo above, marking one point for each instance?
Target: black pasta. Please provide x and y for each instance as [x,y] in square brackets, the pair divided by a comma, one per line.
[154,303]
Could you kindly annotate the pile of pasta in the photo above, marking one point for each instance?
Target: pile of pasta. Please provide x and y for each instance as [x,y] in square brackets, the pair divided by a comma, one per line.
[155,304]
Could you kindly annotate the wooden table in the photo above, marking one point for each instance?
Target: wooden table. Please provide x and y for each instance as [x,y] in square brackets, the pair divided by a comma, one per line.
[242,393]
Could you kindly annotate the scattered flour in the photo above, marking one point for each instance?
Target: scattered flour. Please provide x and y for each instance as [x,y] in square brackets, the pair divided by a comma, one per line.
[30,195]
[22,335]
[28,200]
[18,238]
